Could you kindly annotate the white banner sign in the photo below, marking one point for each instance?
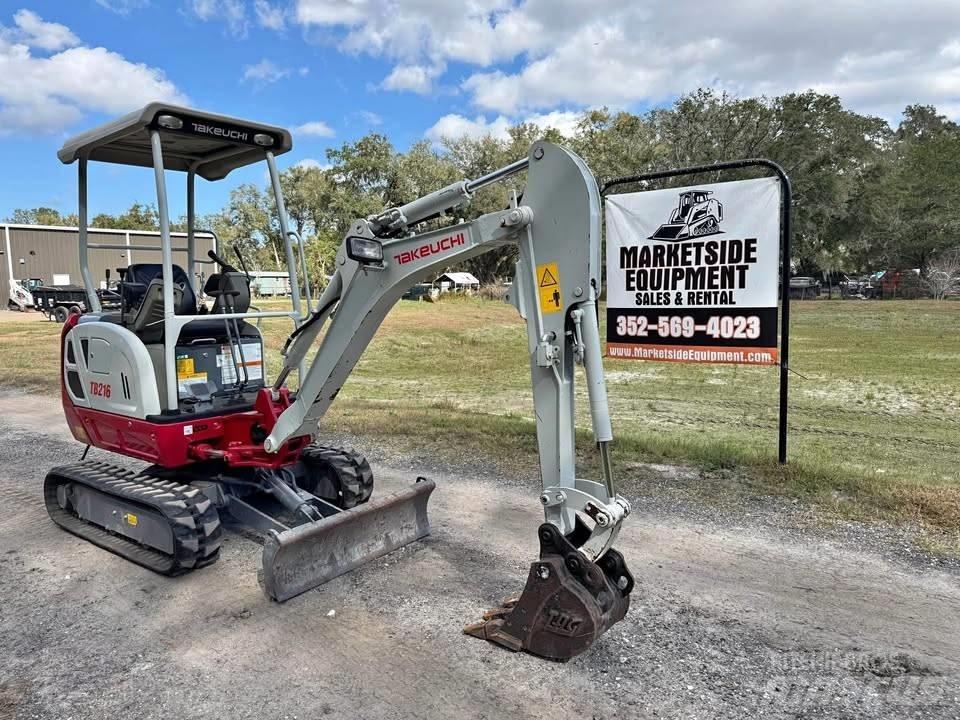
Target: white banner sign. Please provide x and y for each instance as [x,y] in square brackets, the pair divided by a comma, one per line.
[692,273]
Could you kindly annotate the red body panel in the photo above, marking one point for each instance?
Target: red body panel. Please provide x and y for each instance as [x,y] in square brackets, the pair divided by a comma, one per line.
[175,444]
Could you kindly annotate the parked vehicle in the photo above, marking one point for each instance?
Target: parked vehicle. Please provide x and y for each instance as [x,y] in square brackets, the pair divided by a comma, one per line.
[21,293]
[422,291]
[860,288]
[804,288]
[58,302]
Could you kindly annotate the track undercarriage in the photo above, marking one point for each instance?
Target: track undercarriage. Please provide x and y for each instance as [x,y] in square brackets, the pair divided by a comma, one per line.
[170,520]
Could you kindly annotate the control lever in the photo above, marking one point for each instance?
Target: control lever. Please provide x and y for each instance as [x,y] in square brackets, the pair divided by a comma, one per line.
[224,265]
[122,272]
[243,265]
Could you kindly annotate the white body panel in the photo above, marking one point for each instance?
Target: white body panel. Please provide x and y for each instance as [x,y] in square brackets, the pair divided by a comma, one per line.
[116,373]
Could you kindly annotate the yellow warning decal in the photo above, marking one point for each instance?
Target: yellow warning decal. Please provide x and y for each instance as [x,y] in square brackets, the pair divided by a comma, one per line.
[185,365]
[548,281]
[130,519]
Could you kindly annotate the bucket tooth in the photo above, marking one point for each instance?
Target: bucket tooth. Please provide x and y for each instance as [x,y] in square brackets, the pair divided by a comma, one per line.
[309,555]
[567,603]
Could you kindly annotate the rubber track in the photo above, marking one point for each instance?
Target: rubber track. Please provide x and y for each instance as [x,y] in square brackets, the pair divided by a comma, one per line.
[192,516]
[352,469]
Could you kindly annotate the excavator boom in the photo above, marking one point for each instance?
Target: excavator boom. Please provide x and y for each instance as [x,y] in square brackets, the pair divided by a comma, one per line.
[570,599]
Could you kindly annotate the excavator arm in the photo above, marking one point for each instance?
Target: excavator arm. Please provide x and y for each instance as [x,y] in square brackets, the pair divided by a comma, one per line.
[580,585]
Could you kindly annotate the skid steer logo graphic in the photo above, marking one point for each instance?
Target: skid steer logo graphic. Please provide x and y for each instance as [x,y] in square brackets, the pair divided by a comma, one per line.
[696,215]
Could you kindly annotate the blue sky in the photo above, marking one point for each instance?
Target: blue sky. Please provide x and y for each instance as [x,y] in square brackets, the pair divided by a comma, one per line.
[333,70]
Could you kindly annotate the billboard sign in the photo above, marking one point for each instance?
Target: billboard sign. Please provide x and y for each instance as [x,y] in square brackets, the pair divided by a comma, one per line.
[692,273]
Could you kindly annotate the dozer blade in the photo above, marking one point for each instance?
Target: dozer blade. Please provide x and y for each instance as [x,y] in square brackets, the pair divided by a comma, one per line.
[670,231]
[567,603]
[309,555]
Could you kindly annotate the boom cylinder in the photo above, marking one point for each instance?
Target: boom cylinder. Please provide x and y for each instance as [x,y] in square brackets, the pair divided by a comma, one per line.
[497,175]
[442,200]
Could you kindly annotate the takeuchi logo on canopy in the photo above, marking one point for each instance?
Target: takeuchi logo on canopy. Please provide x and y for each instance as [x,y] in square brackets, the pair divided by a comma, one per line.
[696,215]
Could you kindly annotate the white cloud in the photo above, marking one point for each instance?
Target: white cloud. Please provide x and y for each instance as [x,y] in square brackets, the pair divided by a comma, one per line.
[47,93]
[456,126]
[534,55]
[370,118]
[877,62]
[312,163]
[563,121]
[265,72]
[306,163]
[421,33]
[314,128]
[331,12]
[413,78]
[123,7]
[232,12]
[269,16]
[951,50]
[33,31]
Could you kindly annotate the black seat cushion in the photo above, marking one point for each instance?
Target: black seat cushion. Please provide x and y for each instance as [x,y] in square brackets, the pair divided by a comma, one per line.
[140,275]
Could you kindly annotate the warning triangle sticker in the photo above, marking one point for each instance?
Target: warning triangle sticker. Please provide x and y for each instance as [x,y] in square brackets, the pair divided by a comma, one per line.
[548,279]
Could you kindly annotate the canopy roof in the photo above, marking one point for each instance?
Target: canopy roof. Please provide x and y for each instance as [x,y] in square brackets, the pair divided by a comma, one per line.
[213,144]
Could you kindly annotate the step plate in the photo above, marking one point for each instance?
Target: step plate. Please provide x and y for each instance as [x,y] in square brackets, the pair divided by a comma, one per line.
[309,555]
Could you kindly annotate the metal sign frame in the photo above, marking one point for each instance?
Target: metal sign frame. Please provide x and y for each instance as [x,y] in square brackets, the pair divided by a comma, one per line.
[786,235]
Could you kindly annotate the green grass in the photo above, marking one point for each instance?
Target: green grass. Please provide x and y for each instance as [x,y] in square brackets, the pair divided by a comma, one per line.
[874,420]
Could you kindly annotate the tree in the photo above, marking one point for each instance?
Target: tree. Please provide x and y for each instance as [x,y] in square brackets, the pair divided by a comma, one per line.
[618,144]
[139,216]
[865,196]
[943,274]
[251,224]
[903,214]
[42,216]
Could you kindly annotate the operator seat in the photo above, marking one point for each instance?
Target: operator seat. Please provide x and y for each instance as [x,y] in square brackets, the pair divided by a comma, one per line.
[143,299]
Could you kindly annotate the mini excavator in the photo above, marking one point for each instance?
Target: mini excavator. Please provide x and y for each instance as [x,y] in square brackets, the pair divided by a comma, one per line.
[183,386]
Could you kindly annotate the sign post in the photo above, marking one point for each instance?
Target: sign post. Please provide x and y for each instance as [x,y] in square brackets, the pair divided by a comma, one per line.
[692,272]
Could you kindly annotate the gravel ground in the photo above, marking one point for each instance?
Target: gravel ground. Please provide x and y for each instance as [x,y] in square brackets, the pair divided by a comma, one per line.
[747,609]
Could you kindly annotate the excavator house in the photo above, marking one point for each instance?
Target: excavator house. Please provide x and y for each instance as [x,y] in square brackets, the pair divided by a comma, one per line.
[182,385]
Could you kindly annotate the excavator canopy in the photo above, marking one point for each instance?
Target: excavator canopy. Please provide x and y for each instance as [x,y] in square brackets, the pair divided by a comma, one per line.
[213,145]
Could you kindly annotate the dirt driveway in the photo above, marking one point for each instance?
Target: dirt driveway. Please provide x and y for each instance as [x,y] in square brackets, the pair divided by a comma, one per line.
[731,618]
[9,316]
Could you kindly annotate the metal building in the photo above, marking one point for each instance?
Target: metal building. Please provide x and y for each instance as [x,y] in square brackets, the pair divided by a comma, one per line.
[270,283]
[45,251]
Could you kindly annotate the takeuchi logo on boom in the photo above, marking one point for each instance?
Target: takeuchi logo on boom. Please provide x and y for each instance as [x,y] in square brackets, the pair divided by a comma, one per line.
[696,215]
[430,248]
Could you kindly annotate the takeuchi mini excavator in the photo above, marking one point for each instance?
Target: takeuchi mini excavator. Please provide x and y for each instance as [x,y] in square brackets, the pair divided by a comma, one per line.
[184,387]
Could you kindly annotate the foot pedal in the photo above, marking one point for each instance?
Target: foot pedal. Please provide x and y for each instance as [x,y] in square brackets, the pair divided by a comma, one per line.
[567,603]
